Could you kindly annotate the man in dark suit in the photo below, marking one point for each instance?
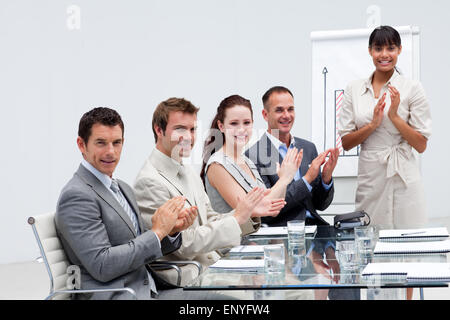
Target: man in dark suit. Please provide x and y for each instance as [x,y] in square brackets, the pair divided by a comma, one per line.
[98,221]
[311,189]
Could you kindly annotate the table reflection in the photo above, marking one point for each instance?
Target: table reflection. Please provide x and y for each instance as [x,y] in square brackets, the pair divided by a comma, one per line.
[316,269]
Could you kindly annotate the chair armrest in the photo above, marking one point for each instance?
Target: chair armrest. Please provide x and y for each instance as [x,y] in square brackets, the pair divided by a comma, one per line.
[156,265]
[163,264]
[55,293]
[178,263]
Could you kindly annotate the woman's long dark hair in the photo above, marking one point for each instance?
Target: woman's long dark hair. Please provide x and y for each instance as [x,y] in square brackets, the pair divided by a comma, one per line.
[216,139]
[385,36]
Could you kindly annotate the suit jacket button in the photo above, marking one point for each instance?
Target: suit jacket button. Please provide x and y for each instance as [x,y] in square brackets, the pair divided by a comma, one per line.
[209,256]
[146,282]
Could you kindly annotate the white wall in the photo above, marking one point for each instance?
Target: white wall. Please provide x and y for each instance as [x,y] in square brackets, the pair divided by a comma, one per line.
[130,55]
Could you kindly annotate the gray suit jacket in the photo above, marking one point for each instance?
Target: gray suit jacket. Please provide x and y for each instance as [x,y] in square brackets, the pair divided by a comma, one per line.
[98,236]
[298,198]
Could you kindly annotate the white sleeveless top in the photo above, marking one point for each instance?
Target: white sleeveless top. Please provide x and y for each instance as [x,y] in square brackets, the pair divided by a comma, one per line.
[247,182]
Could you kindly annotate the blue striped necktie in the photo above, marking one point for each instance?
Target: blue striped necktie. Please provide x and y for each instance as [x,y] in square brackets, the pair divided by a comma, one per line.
[125,205]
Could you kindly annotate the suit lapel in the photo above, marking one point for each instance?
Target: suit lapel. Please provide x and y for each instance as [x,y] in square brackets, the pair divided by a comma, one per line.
[304,167]
[271,150]
[169,171]
[103,193]
[306,161]
[202,215]
[175,182]
[177,186]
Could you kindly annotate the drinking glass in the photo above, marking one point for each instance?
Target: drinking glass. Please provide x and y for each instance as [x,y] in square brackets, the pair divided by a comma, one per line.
[274,260]
[365,239]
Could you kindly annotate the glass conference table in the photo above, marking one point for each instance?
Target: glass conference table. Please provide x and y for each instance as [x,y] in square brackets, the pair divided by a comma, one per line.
[316,275]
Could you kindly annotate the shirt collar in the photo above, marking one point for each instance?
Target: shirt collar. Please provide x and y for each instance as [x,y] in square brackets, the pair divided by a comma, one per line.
[164,163]
[368,81]
[276,142]
[104,178]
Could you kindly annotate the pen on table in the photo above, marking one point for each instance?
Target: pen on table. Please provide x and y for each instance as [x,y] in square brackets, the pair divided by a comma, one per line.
[407,234]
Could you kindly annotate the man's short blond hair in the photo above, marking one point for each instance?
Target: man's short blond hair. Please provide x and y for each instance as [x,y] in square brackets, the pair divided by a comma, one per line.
[161,114]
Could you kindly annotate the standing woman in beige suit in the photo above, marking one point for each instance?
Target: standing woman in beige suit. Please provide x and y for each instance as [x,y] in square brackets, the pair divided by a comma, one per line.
[389,116]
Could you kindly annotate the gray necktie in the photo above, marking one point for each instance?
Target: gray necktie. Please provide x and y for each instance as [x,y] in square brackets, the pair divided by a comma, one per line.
[125,205]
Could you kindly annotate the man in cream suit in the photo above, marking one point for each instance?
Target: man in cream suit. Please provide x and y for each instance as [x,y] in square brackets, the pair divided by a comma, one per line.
[164,176]
[98,220]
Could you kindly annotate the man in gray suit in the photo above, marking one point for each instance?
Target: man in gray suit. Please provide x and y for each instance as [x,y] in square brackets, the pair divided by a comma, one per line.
[311,189]
[98,221]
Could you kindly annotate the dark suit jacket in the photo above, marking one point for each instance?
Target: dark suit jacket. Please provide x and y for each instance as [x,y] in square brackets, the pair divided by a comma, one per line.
[298,198]
[99,237]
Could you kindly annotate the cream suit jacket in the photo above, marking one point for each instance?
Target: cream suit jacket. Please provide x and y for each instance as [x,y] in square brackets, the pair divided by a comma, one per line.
[160,180]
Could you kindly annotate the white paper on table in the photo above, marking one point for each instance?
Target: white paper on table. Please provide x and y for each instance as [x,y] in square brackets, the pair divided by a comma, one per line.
[414,271]
[281,231]
[412,247]
[440,232]
[430,272]
[243,264]
[388,268]
[247,249]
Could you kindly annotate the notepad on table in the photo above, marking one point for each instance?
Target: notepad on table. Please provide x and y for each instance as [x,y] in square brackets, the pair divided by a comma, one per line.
[414,234]
[247,250]
[282,231]
[245,265]
[412,247]
[430,272]
[412,271]
[385,269]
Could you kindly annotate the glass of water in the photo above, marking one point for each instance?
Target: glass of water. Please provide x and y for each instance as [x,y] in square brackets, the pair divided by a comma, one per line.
[296,232]
[365,239]
[274,260]
[347,255]
[296,237]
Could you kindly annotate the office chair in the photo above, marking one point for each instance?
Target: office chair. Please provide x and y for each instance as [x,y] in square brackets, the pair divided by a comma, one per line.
[62,285]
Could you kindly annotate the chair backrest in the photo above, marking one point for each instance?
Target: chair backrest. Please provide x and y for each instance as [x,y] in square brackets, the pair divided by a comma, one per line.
[52,252]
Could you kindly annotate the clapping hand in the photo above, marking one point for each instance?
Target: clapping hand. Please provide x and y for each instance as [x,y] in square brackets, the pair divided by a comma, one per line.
[378,112]
[268,207]
[165,218]
[314,167]
[246,205]
[290,165]
[329,166]
[185,219]
[395,102]
[328,169]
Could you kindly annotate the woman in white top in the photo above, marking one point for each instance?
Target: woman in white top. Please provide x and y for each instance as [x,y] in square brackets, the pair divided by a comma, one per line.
[389,116]
[228,174]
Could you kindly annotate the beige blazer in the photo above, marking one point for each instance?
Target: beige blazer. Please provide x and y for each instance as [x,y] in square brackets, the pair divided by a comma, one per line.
[390,186]
[158,181]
